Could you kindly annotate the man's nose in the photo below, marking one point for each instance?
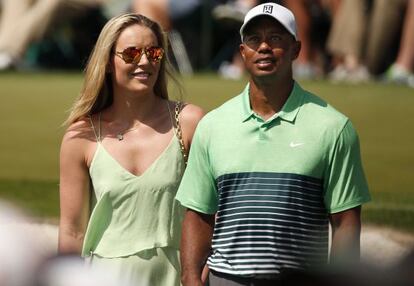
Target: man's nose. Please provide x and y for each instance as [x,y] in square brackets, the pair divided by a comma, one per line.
[264,46]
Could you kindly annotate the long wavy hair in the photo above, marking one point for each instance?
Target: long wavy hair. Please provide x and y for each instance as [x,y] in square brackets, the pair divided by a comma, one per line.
[97,93]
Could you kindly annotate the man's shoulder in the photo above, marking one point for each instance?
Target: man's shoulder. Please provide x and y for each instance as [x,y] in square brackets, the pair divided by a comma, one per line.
[320,110]
[229,109]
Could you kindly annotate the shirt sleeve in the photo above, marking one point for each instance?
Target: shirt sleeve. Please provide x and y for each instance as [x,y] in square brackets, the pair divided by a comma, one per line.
[345,183]
[197,190]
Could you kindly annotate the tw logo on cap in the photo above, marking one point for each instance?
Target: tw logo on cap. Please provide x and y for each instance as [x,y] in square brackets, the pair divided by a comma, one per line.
[268,9]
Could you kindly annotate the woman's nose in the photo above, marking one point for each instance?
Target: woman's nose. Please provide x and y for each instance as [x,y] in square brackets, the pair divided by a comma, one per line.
[143,60]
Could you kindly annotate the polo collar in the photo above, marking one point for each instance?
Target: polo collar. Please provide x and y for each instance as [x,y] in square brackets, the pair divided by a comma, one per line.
[288,112]
[246,110]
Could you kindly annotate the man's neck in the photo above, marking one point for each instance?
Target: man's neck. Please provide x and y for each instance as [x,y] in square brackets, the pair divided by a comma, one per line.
[267,99]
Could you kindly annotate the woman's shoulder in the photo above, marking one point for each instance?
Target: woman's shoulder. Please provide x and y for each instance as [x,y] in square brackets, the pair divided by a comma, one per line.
[80,130]
[188,113]
[191,113]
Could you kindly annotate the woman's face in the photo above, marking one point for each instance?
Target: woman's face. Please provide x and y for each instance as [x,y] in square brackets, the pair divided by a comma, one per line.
[139,76]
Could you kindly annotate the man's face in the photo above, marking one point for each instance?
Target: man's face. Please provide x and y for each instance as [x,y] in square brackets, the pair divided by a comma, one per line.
[268,49]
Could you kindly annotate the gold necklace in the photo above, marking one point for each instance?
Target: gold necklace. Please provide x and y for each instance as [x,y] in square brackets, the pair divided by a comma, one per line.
[121,134]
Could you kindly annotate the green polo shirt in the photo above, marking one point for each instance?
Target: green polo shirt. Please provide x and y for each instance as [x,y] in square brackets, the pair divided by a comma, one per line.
[273,183]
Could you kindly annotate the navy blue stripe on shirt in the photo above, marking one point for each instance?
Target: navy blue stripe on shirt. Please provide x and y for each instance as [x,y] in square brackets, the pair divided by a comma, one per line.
[267,222]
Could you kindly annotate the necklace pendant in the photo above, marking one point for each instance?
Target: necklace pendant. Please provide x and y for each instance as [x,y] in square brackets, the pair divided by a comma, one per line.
[120,137]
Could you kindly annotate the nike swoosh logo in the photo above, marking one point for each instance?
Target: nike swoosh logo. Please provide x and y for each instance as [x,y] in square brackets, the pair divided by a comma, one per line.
[294,145]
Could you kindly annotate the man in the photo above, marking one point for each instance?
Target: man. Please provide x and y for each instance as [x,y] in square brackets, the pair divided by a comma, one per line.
[268,171]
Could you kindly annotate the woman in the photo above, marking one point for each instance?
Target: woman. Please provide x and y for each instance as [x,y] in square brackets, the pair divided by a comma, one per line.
[123,143]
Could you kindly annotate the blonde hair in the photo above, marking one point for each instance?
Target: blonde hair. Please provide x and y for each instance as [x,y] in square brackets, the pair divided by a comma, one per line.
[96,93]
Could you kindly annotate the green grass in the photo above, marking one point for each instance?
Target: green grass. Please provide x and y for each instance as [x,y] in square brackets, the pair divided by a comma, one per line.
[38,198]
[34,106]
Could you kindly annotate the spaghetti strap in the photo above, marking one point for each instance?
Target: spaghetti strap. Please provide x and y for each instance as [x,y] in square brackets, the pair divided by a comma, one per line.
[97,136]
[171,118]
[99,127]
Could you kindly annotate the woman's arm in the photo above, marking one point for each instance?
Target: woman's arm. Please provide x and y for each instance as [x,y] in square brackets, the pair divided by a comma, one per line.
[74,193]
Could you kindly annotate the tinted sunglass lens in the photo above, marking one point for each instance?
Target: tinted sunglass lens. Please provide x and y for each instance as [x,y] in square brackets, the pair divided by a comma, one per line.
[131,54]
[155,53]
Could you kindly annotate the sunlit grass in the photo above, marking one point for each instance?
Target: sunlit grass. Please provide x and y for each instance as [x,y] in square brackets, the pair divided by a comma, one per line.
[35,105]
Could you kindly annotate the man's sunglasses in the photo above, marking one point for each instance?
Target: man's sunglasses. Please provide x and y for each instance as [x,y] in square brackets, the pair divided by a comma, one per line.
[133,55]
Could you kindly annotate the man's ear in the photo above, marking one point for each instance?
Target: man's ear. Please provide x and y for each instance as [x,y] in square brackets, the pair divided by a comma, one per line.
[296,46]
[242,49]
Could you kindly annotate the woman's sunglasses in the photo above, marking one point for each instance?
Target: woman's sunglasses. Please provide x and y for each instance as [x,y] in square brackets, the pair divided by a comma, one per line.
[133,55]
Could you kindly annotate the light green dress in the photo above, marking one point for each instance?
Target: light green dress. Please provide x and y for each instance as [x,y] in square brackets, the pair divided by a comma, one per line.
[135,225]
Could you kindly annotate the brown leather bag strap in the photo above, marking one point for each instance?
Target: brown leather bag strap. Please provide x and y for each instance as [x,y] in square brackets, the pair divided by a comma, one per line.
[179,133]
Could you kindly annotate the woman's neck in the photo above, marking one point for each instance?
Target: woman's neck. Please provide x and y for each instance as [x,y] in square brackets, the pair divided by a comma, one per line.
[135,108]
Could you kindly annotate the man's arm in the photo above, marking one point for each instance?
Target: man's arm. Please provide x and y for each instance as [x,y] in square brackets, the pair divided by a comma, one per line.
[197,233]
[346,231]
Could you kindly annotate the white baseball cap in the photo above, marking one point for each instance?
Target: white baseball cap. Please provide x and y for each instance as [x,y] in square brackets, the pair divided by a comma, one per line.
[283,15]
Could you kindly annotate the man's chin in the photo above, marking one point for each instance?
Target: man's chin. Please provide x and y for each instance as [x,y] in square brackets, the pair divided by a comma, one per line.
[265,73]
